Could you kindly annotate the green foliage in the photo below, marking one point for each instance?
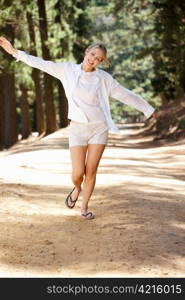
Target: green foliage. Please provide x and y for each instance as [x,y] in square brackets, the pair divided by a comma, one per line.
[126,27]
[66,29]
[145,41]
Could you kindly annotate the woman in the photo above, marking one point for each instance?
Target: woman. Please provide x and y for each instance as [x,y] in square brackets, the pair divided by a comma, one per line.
[88,89]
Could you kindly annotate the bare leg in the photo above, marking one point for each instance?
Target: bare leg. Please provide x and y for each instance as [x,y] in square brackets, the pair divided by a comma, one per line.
[94,154]
[78,158]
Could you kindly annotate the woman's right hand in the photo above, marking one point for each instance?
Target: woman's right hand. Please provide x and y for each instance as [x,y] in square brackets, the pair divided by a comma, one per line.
[7,46]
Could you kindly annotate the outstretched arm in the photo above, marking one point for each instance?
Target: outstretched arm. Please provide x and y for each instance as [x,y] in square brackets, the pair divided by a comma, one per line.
[55,69]
[128,97]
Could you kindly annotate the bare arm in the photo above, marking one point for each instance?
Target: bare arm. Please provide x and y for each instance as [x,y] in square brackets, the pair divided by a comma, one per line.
[7,46]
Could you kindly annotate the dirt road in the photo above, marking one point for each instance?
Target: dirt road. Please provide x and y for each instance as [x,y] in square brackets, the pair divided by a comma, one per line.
[139,203]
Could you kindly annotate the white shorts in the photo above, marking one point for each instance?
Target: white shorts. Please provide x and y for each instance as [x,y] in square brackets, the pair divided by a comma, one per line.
[82,134]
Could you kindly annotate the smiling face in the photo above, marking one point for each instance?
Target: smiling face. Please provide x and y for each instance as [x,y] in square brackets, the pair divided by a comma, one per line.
[92,58]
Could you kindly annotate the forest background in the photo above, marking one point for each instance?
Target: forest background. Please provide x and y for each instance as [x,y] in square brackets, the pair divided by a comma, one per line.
[146,49]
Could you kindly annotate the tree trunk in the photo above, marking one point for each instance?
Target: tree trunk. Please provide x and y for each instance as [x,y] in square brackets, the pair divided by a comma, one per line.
[2,114]
[40,120]
[48,89]
[63,103]
[25,116]
[164,101]
[10,115]
[9,131]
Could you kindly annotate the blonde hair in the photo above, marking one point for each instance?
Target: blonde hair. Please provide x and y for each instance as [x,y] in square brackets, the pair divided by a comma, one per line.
[102,47]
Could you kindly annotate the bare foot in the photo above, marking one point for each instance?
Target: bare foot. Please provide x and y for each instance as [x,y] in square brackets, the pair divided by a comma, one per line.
[84,209]
[75,193]
[85,213]
[72,197]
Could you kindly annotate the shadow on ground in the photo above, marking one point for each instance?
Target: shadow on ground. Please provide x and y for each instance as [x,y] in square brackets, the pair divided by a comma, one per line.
[135,231]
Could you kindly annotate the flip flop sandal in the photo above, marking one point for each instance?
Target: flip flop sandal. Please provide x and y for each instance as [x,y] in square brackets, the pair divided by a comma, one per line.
[69,200]
[88,215]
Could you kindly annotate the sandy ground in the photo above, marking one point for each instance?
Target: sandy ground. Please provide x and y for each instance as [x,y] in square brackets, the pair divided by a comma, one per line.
[139,203]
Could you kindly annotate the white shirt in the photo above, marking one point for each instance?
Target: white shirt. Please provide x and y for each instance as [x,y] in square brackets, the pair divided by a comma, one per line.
[86,96]
[68,73]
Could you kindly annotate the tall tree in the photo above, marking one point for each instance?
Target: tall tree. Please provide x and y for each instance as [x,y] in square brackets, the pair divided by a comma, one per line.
[64,48]
[40,120]
[48,88]
[169,55]
[2,113]
[10,127]
[25,115]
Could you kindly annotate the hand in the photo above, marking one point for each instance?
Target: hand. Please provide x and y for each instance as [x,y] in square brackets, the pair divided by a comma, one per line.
[7,46]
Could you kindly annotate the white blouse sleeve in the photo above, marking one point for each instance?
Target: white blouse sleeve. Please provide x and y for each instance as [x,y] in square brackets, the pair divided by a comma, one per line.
[126,96]
[55,69]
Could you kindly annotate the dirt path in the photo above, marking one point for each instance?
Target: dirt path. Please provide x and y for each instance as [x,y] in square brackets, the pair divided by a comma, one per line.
[139,203]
